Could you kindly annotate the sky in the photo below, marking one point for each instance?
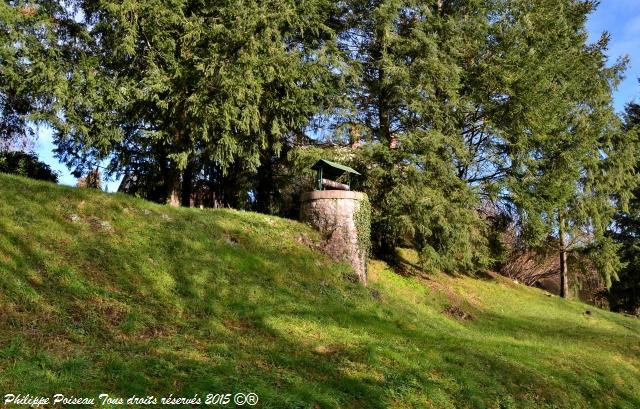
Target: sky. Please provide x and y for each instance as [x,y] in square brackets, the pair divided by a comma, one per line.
[620,18]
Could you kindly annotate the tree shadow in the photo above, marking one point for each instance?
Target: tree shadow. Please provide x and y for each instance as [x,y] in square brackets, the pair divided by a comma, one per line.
[135,312]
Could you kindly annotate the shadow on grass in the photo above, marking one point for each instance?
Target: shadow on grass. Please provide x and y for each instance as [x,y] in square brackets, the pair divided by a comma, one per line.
[181,302]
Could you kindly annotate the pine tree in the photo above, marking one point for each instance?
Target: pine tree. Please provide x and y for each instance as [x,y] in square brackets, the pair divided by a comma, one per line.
[456,103]
[185,80]
[625,293]
[19,78]
[542,140]
[404,109]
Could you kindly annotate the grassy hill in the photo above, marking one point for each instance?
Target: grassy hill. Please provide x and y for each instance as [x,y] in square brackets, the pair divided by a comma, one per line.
[110,294]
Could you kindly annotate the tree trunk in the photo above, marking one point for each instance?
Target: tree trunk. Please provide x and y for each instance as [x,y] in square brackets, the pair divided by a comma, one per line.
[383,116]
[172,185]
[173,199]
[187,185]
[564,279]
[384,122]
[265,183]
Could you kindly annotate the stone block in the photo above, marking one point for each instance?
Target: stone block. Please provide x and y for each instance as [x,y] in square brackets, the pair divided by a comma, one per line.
[333,213]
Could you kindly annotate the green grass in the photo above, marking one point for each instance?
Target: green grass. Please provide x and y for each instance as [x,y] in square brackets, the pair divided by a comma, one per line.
[108,293]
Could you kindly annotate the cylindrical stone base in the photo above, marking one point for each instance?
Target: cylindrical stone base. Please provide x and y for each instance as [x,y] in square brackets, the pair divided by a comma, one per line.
[333,212]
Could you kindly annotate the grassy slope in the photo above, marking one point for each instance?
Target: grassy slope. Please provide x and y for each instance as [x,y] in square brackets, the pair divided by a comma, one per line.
[106,293]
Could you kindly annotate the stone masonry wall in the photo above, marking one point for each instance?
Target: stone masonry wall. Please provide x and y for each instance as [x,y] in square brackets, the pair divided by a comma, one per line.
[333,213]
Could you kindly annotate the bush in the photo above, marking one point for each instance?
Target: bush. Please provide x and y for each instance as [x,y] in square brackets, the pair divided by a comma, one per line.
[27,165]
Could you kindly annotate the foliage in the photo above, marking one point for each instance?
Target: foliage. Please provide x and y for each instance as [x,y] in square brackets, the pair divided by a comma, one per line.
[404,109]
[456,103]
[14,105]
[542,139]
[362,219]
[422,209]
[27,165]
[220,83]
[130,298]
[625,294]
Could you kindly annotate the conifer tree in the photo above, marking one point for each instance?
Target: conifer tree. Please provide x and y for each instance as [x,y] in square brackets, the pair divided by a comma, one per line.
[185,79]
[625,293]
[21,78]
[541,135]
[456,103]
[405,106]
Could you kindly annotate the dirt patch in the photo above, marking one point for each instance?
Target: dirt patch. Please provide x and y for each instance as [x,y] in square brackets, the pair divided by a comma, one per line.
[238,325]
[351,277]
[375,294]
[308,242]
[156,331]
[328,350]
[451,295]
[232,240]
[489,275]
[108,312]
[111,311]
[98,225]
[458,313]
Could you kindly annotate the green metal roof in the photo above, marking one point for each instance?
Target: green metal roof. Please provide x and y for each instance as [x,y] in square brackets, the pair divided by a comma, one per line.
[327,163]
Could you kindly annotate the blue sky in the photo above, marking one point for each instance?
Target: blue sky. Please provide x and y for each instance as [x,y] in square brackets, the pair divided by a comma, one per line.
[621,18]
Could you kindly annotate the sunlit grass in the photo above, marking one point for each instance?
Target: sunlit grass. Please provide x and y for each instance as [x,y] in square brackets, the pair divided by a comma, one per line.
[108,293]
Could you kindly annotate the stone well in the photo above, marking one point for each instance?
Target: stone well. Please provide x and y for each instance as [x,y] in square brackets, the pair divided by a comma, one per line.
[334,213]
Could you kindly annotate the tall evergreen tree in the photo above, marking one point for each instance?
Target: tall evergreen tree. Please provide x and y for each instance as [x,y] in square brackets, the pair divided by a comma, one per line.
[186,79]
[541,136]
[404,109]
[24,72]
[456,102]
[625,293]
